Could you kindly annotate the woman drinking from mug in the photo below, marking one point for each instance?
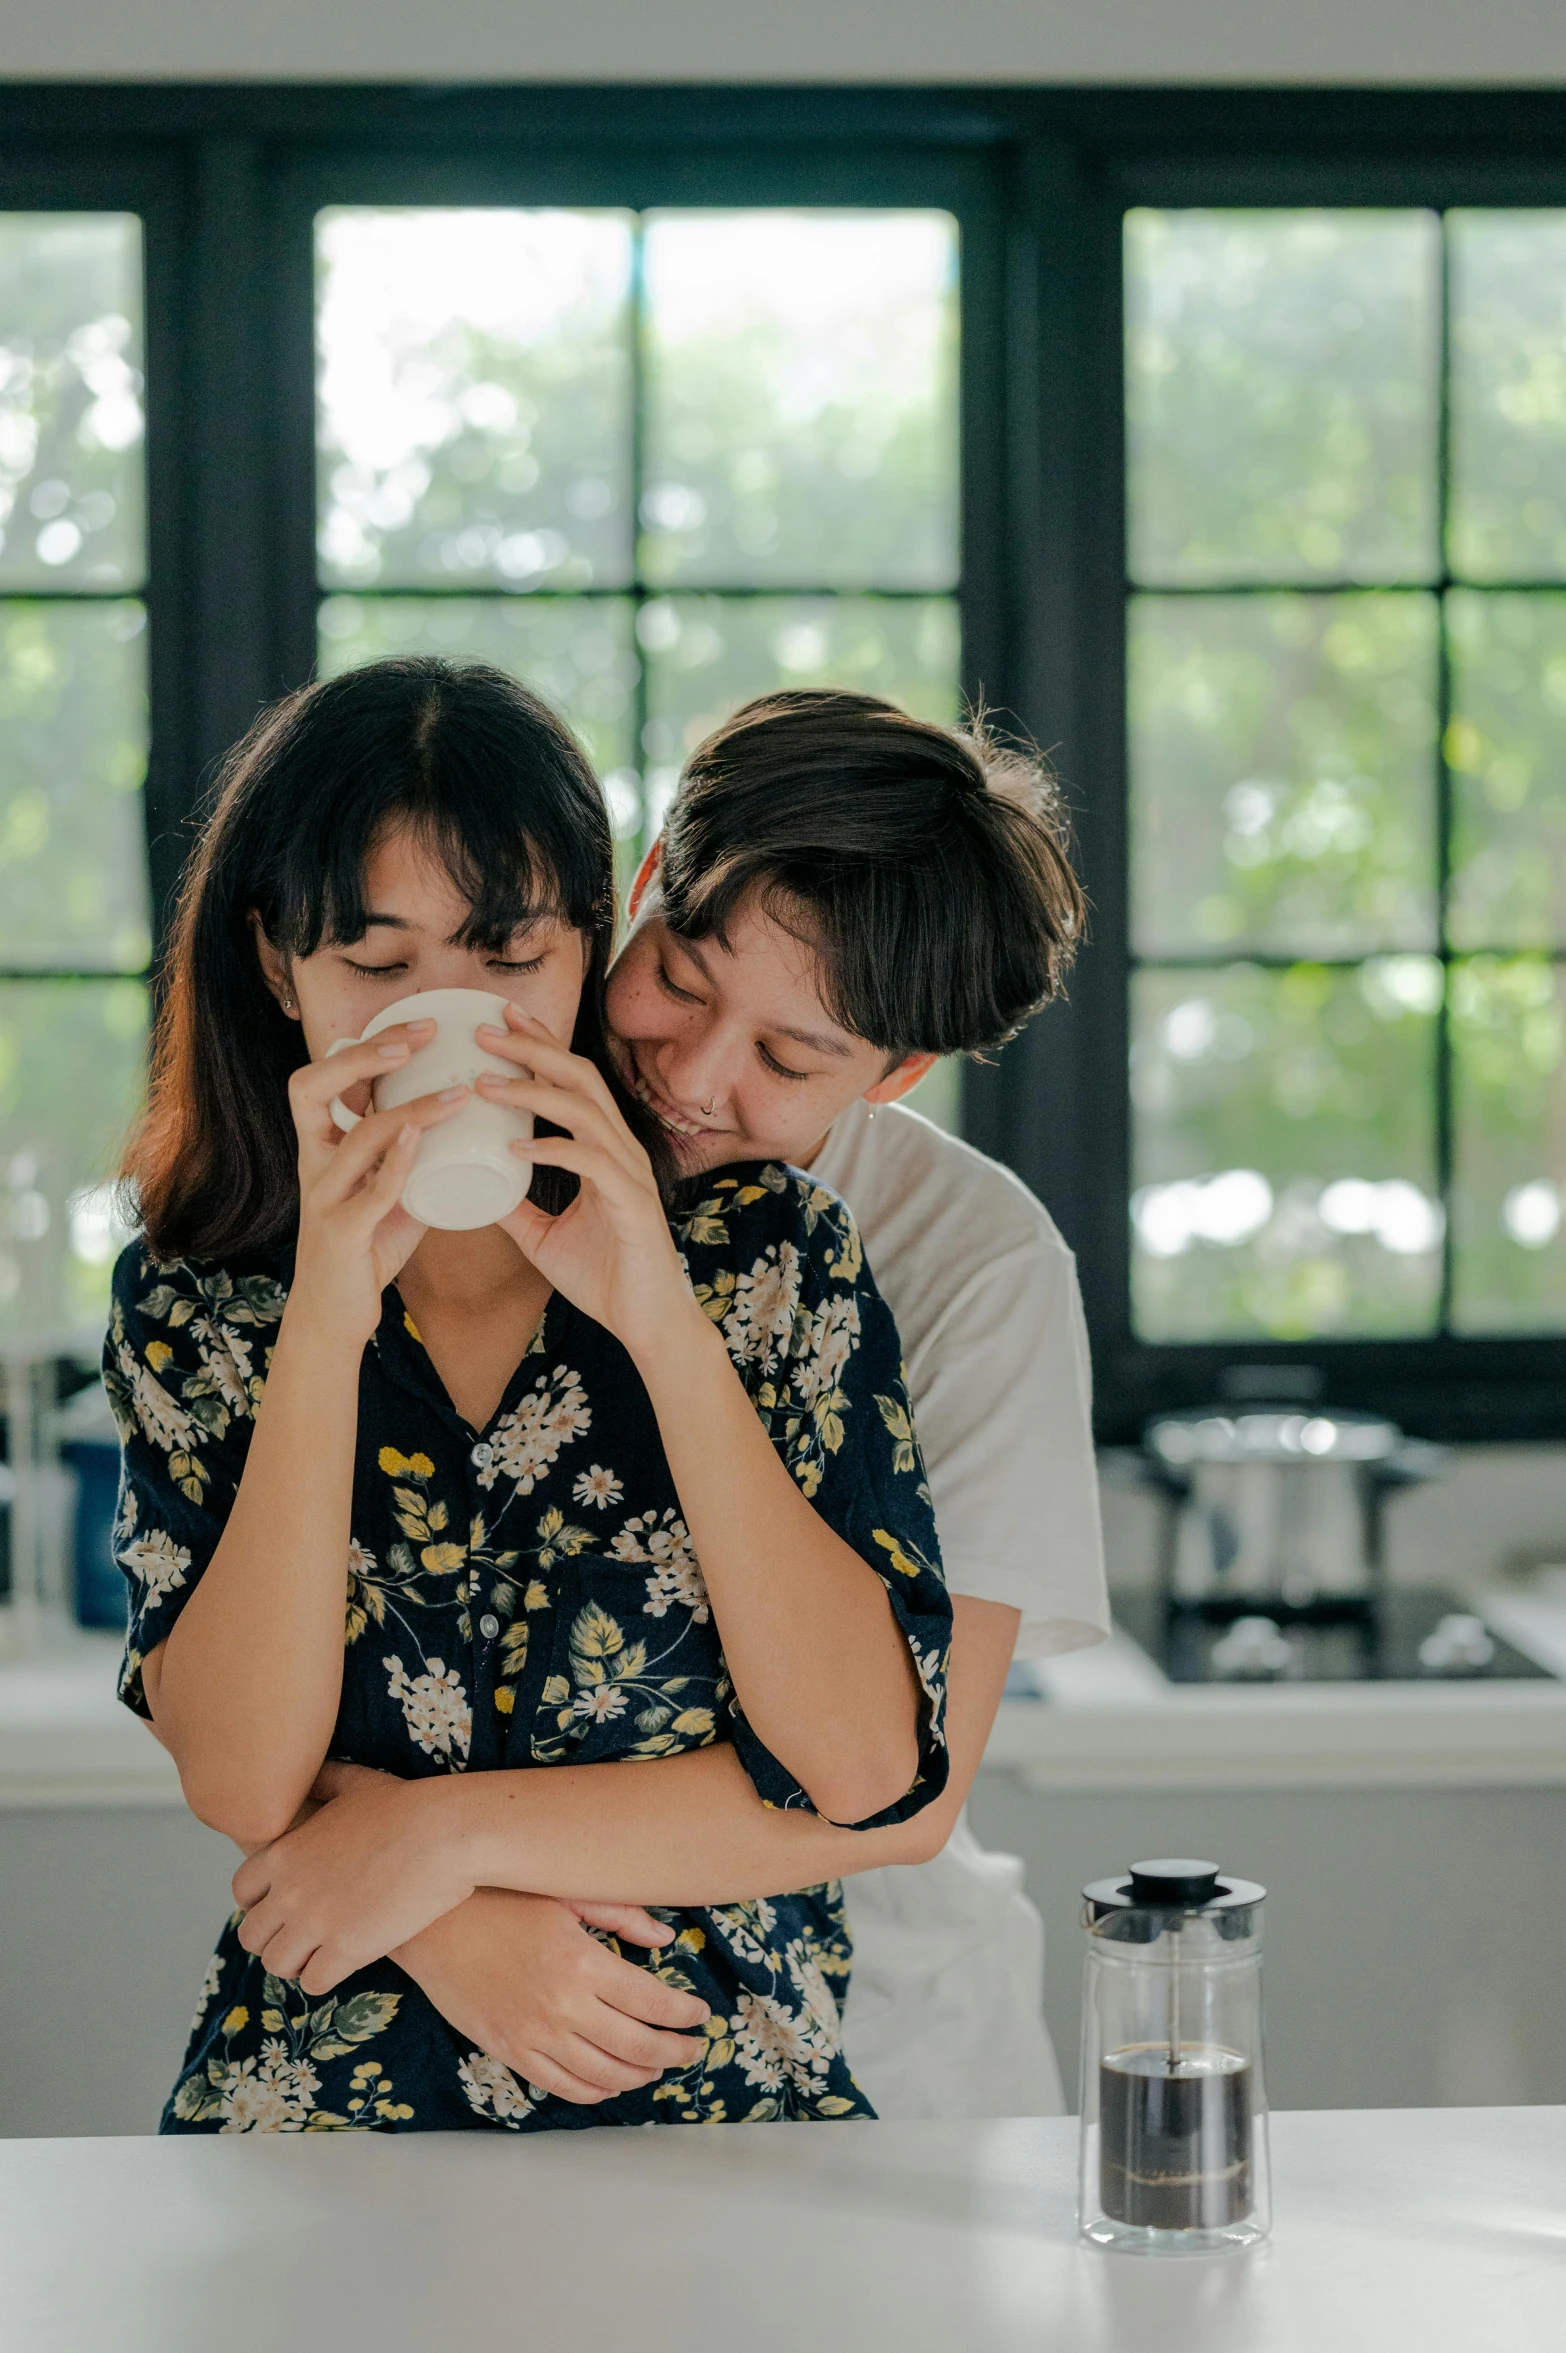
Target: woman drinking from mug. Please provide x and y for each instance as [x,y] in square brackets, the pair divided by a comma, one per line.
[459,1504]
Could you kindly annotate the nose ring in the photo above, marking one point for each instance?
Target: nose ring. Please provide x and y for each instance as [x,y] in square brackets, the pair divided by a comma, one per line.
[708,1109]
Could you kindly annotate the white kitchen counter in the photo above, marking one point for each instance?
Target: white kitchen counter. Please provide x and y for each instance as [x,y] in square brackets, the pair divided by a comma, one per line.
[1108,1719]
[1442,2229]
[65,1740]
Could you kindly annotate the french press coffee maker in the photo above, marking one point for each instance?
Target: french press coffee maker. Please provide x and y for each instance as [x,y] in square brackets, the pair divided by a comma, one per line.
[1174,2113]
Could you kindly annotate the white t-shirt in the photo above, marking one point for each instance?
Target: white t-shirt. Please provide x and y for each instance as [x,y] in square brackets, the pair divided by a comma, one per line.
[945,2010]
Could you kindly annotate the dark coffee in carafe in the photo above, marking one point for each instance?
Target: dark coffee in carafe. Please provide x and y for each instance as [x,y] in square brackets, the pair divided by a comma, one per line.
[1175,2136]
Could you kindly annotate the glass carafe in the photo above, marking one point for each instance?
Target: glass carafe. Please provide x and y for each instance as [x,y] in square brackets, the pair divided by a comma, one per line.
[1174,2110]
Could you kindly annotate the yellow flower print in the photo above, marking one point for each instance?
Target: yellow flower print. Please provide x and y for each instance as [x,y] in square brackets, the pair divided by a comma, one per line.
[898,1557]
[402,1466]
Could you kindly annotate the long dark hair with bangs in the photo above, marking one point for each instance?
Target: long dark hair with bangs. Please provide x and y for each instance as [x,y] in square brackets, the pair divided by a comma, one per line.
[497,785]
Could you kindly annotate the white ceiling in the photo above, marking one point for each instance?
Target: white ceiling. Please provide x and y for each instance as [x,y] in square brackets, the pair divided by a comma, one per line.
[906,41]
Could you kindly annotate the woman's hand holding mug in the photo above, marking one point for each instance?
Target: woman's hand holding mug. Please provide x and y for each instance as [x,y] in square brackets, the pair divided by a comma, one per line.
[469,1174]
[611,1252]
[355,1237]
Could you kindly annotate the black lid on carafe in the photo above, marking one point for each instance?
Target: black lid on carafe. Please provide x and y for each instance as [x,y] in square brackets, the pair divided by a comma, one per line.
[1142,1902]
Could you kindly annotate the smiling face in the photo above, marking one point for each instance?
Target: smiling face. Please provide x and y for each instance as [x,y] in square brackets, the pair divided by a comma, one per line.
[412,943]
[729,1046]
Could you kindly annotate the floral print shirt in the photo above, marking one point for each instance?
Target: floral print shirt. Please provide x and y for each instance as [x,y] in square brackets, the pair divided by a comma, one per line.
[524,1596]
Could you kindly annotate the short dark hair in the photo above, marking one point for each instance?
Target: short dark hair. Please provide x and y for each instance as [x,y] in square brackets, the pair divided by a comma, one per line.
[926,866]
[497,785]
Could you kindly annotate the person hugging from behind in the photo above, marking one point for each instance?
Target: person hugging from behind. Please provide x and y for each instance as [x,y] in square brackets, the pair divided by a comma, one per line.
[841,893]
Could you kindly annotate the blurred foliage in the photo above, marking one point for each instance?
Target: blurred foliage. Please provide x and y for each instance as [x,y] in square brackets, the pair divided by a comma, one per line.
[938,1096]
[73,756]
[798,425]
[706,655]
[579,653]
[1506,747]
[1283,377]
[801,418]
[799,421]
[474,391]
[1283,756]
[1282,396]
[71,1061]
[1299,1078]
[71,495]
[1509,1103]
[1507,518]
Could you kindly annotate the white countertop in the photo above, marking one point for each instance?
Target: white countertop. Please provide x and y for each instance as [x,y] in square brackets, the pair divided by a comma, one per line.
[1441,2229]
[1108,1719]
[65,1740]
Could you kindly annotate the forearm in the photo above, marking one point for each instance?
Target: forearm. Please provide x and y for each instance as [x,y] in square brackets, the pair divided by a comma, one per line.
[818,1660]
[676,1830]
[249,1681]
[691,1829]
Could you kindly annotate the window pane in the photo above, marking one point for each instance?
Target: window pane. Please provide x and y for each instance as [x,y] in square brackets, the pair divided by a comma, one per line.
[1508,395]
[70,1079]
[1282,395]
[1509,1093]
[801,423]
[1285,1151]
[473,414]
[938,1096]
[73,755]
[70,401]
[1283,756]
[579,653]
[1506,746]
[706,655]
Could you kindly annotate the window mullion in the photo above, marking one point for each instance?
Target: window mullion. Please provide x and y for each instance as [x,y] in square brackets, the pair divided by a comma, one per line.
[1443,789]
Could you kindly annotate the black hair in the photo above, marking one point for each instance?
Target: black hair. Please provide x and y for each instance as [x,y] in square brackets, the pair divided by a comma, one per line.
[926,866]
[494,782]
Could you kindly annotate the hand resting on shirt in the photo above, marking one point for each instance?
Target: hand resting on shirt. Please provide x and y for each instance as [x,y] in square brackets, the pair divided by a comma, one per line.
[520,1975]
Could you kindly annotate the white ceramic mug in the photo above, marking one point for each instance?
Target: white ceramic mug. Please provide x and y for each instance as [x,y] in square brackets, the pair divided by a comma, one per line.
[464,1173]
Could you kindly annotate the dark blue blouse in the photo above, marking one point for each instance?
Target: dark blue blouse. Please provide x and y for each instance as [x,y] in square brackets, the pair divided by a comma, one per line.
[527,1596]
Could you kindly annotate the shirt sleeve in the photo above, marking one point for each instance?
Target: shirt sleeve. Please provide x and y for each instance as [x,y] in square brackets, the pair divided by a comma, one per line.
[183,1364]
[776,1262]
[1002,1388]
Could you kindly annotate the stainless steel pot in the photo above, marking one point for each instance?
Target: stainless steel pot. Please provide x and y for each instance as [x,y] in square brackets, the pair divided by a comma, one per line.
[1277,1507]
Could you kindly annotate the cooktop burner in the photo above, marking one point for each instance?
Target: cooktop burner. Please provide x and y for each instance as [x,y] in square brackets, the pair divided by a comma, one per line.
[1417,1634]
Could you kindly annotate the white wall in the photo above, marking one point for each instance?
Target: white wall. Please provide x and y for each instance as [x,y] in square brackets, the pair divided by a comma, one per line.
[997,41]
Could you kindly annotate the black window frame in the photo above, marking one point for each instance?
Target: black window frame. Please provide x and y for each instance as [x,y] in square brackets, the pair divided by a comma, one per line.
[227,179]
